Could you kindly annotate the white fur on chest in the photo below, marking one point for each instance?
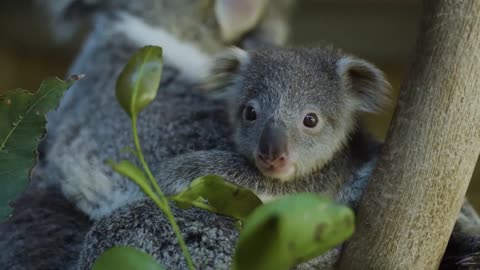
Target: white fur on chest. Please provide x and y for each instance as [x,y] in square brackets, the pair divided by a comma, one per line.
[188,58]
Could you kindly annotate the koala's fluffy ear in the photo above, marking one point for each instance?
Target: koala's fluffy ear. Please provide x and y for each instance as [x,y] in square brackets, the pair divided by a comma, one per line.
[367,83]
[236,17]
[67,17]
[225,74]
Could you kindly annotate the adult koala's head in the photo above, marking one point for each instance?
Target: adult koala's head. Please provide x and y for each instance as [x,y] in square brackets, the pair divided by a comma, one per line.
[212,24]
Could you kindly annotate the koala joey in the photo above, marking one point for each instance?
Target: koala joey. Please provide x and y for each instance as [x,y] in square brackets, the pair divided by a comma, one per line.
[293,126]
[293,119]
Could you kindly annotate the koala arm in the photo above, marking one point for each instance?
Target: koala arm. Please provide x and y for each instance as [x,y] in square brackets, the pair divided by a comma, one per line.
[175,174]
[210,238]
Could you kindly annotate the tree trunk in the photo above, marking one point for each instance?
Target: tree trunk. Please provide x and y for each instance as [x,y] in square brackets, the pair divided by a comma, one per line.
[409,209]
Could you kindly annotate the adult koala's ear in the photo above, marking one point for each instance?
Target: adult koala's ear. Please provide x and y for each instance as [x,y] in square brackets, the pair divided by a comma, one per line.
[67,17]
[225,78]
[366,82]
[236,17]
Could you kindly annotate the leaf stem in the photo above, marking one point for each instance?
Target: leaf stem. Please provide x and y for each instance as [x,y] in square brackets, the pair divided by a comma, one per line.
[143,162]
[159,198]
[176,229]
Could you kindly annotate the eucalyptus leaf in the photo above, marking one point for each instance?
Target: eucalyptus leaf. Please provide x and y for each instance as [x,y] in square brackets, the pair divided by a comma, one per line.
[215,194]
[22,126]
[125,258]
[132,171]
[290,230]
[138,83]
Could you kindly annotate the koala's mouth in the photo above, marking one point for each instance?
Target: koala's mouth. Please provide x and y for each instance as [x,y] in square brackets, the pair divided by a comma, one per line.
[283,171]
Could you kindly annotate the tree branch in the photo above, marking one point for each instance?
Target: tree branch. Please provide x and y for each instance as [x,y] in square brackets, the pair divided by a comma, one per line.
[408,212]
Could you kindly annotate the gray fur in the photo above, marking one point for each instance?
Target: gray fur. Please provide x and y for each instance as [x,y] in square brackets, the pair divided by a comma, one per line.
[210,238]
[81,137]
[190,20]
[270,77]
[55,245]
[463,250]
[89,127]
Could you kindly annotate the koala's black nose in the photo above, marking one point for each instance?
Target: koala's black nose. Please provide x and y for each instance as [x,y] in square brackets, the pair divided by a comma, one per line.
[273,144]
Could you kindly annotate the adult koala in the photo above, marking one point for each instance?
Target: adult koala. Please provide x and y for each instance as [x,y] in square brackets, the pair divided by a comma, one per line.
[71,187]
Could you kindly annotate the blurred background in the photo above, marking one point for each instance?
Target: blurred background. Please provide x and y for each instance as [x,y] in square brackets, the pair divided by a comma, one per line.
[382,31]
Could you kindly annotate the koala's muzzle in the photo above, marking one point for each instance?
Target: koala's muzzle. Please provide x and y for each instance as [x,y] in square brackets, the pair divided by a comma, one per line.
[272,149]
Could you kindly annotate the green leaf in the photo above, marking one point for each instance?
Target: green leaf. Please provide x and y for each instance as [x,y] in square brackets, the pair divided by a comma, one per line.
[125,258]
[134,173]
[137,85]
[290,230]
[215,194]
[22,126]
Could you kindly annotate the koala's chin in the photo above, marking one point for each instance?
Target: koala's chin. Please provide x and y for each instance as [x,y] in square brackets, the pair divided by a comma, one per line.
[283,173]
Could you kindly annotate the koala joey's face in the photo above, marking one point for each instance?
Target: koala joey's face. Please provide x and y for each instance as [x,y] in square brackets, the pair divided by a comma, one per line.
[293,109]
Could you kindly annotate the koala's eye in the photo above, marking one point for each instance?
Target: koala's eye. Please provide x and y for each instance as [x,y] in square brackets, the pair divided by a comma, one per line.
[310,120]
[250,114]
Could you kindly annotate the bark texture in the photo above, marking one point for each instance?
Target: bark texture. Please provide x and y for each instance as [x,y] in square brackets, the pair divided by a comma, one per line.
[408,212]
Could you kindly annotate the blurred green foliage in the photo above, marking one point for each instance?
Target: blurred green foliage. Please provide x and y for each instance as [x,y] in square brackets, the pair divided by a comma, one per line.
[22,126]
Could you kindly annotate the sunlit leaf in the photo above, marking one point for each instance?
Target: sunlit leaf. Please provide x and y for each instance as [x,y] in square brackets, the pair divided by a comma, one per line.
[22,125]
[217,195]
[137,85]
[125,258]
[291,230]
